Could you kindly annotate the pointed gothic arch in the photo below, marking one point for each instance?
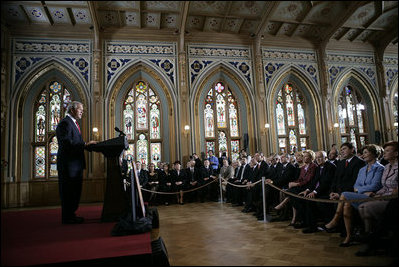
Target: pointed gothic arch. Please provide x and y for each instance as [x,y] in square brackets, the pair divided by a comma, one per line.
[365,127]
[141,71]
[21,130]
[313,114]
[22,105]
[245,102]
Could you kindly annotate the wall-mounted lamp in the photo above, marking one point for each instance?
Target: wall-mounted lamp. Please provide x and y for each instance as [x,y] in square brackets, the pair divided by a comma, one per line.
[186,129]
[266,128]
[332,130]
[95,133]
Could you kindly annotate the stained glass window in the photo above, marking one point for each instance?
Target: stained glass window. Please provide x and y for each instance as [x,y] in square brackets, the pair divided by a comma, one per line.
[221,120]
[352,117]
[53,157]
[290,118]
[395,113]
[222,143]
[235,149]
[142,123]
[40,162]
[155,153]
[209,121]
[142,149]
[210,146]
[49,108]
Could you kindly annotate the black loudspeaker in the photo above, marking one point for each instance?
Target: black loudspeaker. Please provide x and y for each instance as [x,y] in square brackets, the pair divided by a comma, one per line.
[377,137]
[246,141]
[159,253]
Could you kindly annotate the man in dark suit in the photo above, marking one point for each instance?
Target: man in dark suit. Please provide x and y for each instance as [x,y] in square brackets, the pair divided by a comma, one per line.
[319,187]
[347,170]
[254,195]
[333,156]
[208,174]
[345,174]
[71,162]
[285,174]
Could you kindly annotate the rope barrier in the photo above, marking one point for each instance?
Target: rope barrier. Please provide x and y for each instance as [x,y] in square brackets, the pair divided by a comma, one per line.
[319,199]
[178,192]
[333,200]
[279,189]
[245,185]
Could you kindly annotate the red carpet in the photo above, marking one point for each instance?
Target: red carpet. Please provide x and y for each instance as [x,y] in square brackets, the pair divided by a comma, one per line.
[38,237]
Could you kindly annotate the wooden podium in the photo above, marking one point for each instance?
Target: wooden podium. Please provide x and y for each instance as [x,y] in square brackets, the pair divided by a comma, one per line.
[116,202]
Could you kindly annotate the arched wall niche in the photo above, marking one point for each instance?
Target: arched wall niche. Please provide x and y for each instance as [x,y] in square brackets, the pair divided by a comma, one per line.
[23,105]
[243,95]
[114,100]
[313,113]
[359,82]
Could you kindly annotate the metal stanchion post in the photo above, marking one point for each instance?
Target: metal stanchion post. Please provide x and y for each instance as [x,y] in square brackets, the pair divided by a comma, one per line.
[221,189]
[264,199]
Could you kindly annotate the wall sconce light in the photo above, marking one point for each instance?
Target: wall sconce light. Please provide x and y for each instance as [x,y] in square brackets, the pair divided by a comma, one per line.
[95,133]
[186,129]
[334,128]
[266,128]
[395,124]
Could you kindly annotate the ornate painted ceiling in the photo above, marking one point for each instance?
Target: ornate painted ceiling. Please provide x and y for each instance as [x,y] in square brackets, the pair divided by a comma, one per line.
[353,21]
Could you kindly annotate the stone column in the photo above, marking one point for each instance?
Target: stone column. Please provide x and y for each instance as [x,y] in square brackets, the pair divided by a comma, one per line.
[97,119]
[183,114]
[386,133]
[261,109]
[326,96]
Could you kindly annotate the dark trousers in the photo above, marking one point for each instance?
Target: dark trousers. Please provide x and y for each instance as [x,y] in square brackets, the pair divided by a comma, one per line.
[315,211]
[70,191]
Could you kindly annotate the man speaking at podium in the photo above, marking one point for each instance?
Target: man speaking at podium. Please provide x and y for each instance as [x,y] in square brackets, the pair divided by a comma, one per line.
[71,162]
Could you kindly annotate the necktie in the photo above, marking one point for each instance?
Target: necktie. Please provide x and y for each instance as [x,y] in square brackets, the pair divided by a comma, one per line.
[78,127]
[239,172]
[346,163]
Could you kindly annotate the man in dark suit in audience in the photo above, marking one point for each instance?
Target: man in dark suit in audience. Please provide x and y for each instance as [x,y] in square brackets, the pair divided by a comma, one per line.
[346,173]
[194,179]
[254,198]
[347,170]
[284,175]
[71,162]
[333,156]
[237,199]
[208,174]
[319,187]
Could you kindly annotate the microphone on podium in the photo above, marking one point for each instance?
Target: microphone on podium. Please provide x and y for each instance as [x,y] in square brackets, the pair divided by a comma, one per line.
[119,131]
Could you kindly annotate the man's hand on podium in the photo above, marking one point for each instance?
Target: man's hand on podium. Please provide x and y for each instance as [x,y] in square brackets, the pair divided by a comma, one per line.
[91,142]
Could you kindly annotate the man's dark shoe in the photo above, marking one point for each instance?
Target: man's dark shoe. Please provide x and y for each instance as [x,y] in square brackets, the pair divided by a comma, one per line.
[75,220]
[299,225]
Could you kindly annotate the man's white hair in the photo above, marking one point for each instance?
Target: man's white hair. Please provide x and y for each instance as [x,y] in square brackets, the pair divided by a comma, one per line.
[73,105]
